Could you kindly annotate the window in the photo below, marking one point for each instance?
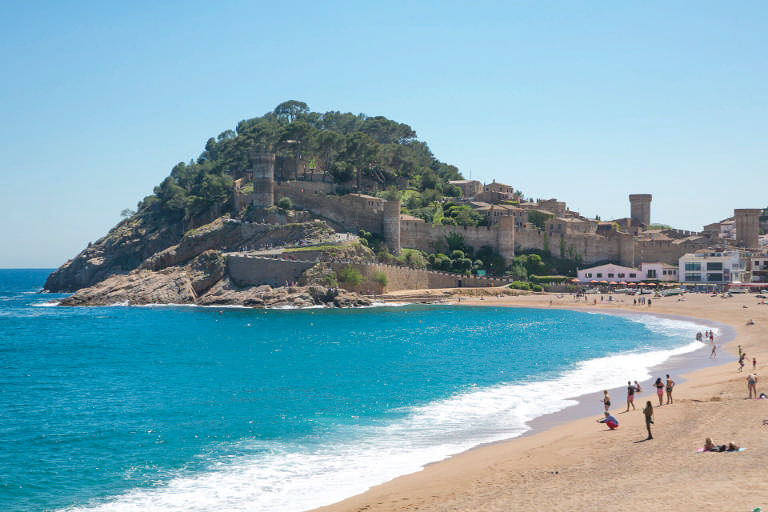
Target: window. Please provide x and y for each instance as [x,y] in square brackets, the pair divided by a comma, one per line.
[692,277]
[714,265]
[599,274]
[632,276]
[651,273]
[714,277]
[621,274]
[588,274]
[610,275]
[692,267]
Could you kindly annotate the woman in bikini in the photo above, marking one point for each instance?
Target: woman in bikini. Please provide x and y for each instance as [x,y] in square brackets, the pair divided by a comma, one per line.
[659,389]
[606,400]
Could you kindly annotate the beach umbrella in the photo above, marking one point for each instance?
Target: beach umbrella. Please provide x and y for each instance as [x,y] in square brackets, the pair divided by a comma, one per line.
[613,283]
[632,284]
[575,280]
[593,281]
[603,282]
[641,284]
[622,282]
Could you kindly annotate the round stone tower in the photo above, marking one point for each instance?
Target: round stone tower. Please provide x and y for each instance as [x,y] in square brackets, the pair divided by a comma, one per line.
[263,179]
[747,227]
[391,226]
[641,208]
[505,237]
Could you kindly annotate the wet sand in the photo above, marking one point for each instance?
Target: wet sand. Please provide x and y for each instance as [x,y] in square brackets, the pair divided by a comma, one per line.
[569,462]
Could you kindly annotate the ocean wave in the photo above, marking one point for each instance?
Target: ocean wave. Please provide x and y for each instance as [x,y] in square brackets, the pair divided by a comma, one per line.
[291,477]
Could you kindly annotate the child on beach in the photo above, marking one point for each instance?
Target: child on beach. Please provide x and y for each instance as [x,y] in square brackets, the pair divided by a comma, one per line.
[606,400]
[659,389]
[754,363]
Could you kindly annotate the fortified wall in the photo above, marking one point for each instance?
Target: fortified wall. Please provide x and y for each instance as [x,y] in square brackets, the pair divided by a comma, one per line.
[417,234]
[257,270]
[352,211]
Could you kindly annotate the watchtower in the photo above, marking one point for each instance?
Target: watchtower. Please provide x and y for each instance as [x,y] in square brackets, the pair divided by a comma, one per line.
[747,227]
[263,179]
[640,205]
[391,225]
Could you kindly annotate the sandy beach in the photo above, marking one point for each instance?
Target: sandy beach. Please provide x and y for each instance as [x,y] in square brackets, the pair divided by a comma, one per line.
[571,462]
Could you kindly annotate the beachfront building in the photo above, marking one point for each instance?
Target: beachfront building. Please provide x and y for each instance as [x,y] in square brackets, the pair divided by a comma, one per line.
[708,267]
[609,273]
[658,272]
[759,268]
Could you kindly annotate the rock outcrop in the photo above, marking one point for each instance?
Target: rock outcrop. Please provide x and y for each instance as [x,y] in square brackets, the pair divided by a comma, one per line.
[204,282]
[189,269]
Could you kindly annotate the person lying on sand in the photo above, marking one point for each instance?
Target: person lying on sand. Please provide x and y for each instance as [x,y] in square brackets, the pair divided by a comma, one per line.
[710,446]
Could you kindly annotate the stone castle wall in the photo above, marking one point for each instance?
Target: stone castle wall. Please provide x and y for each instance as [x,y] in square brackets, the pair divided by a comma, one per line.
[255,270]
[352,212]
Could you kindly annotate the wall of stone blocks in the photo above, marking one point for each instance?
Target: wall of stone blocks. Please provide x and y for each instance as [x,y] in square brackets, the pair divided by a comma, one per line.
[351,212]
[253,271]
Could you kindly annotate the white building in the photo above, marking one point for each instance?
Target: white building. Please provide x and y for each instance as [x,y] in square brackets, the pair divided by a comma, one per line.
[618,273]
[712,267]
[609,272]
[659,272]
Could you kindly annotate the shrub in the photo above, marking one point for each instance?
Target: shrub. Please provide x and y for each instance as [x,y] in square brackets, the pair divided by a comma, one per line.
[350,276]
[285,203]
[381,279]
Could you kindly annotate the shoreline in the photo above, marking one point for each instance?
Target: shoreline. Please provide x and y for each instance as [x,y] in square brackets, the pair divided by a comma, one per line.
[566,440]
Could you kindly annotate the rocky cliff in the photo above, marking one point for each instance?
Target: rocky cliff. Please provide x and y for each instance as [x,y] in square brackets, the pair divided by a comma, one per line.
[138,264]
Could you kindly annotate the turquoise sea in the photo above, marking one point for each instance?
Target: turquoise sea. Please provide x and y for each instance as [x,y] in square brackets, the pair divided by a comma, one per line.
[173,408]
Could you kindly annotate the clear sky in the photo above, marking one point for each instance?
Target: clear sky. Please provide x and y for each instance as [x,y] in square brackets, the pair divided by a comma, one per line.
[583,101]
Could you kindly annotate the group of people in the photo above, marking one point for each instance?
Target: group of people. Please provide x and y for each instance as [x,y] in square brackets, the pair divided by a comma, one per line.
[632,389]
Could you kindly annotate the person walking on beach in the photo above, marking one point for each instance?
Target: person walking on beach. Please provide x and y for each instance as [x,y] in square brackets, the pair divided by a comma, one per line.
[670,386]
[713,355]
[752,385]
[648,411]
[659,389]
[754,363]
[606,400]
[630,396]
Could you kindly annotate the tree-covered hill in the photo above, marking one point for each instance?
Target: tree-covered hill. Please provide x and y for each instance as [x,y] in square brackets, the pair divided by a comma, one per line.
[341,144]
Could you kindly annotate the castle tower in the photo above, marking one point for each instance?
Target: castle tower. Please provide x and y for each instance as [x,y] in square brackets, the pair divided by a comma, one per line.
[391,225]
[505,237]
[747,227]
[263,179]
[641,208]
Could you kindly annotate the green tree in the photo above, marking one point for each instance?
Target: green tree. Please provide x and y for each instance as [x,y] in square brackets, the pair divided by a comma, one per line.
[289,110]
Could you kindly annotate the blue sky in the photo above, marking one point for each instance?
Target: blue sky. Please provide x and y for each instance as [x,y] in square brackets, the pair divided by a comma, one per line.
[586,102]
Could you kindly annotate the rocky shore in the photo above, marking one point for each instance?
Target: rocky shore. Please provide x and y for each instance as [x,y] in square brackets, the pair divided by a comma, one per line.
[130,267]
